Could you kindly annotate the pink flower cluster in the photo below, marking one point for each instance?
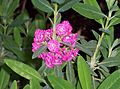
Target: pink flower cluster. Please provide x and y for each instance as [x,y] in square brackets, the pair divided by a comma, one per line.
[57,52]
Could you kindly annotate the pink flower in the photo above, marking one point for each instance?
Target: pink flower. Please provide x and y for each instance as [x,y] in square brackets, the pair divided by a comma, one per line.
[63,28]
[71,39]
[68,56]
[35,46]
[39,35]
[53,45]
[48,34]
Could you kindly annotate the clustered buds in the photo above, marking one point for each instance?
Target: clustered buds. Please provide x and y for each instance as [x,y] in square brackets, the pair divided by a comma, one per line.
[57,52]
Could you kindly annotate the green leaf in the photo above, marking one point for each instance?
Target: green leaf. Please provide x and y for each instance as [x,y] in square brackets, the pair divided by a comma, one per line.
[40,50]
[82,48]
[14,85]
[59,83]
[115,43]
[67,5]
[70,74]
[4,79]
[27,86]
[78,85]
[96,34]
[88,11]
[84,73]
[12,7]
[23,69]
[111,61]
[110,3]
[92,3]
[58,1]
[111,82]
[114,21]
[17,37]
[34,84]
[43,5]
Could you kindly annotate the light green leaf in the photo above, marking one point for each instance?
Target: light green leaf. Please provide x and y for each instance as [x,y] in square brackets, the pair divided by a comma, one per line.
[59,83]
[23,69]
[110,3]
[40,50]
[34,84]
[88,11]
[67,5]
[112,81]
[43,5]
[116,42]
[114,21]
[84,73]
[27,86]
[14,85]
[4,78]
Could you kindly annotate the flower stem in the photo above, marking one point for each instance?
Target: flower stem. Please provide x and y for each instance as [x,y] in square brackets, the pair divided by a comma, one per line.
[54,21]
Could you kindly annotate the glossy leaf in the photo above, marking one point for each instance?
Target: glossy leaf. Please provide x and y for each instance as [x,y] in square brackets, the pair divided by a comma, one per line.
[40,50]
[67,5]
[4,78]
[23,69]
[112,81]
[59,83]
[14,85]
[84,73]
[43,5]
[34,84]
[88,11]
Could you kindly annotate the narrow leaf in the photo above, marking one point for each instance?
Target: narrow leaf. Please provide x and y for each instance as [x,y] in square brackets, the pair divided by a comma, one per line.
[40,50]
[14,85]
[59,83]
[23,69]
[112,81]
[34,84]
[84,73]
[27,86]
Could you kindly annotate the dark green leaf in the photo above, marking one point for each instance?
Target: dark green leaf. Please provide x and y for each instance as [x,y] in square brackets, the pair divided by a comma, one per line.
[14,85]
[111,61]
[112,81]
[82,48]
[67,5]
[88,11]
[78,85]
[40,50]
[84,73]
[58,1]
[12,7]
[59,83]
[34,84]
[43,5]
[96,34]
[70,74]
[4,79]
[114,21]
[23,69]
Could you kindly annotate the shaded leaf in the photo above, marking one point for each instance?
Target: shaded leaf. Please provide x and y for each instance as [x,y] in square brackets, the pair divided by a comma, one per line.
[34,84]
[27,86]
[58,1]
